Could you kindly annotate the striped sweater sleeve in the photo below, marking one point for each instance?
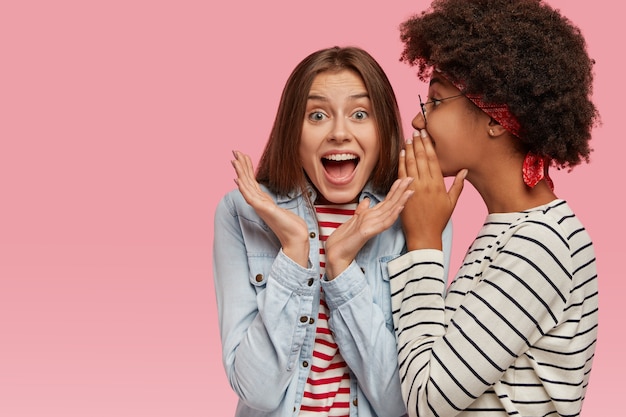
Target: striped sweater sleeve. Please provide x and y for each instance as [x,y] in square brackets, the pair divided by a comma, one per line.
[448,360]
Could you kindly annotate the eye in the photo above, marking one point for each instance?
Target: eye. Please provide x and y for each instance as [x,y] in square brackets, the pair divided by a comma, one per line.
[360,115]
[317,116]
[436,102]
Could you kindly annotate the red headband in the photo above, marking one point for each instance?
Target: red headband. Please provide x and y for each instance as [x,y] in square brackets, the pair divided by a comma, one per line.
[534,168]
[498,112]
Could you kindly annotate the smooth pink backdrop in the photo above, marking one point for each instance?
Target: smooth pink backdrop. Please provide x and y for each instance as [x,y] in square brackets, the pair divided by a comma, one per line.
[117,121]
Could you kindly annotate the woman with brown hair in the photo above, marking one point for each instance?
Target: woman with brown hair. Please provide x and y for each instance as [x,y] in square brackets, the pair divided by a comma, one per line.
[301,249]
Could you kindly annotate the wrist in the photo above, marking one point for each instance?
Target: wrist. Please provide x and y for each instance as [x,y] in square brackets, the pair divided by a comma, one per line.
[298,252]
[334,267]
[424,242]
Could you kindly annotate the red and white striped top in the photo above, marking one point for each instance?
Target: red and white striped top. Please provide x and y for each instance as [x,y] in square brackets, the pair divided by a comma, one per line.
[327,390]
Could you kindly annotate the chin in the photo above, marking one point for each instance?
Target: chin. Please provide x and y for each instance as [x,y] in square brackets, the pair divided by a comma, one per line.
[338,198]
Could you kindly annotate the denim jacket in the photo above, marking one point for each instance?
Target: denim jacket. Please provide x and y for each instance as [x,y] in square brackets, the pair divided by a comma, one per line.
[268,304]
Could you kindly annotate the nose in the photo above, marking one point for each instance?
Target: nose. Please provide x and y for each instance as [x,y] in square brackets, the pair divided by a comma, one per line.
[340,131]
[419,122]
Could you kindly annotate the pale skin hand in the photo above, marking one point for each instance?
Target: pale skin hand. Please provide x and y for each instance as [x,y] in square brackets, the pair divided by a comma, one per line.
[290,229]
[344,243]
[427,213]
[347,240]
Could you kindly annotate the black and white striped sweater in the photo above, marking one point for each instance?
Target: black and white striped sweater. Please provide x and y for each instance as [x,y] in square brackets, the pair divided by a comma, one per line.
[516,332]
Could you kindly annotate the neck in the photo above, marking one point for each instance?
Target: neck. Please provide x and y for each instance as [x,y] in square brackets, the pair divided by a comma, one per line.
[503,190]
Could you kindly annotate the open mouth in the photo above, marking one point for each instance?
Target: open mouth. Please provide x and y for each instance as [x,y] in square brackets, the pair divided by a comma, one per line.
[340,165]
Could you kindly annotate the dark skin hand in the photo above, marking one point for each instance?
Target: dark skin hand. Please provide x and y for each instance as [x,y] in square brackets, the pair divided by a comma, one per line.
[428,211]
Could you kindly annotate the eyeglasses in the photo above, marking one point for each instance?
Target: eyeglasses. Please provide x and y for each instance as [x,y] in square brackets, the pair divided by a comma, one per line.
[433,101]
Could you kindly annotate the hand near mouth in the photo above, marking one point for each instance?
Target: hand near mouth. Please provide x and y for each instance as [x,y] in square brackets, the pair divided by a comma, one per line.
[428,212]
[290,229]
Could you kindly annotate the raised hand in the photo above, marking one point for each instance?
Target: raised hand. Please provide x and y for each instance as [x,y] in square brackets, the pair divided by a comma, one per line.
[290,229]
[427,212]
[345,242]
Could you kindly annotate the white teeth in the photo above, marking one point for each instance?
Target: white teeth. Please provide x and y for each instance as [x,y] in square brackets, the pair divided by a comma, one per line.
[341,157]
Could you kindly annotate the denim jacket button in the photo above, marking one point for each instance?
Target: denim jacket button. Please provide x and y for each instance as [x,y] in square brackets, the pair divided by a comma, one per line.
[312,235]
[304,319]
[259,277]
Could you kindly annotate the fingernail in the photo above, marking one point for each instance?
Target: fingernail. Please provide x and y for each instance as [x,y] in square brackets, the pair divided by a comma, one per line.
[416,133]
[409,141]
[402,153]
[423,133]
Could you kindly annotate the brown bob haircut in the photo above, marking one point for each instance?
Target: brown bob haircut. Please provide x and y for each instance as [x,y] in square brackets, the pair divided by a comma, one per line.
[280,168]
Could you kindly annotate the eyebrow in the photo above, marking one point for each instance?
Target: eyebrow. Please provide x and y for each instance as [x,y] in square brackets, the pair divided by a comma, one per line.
[353,97]
[435,80]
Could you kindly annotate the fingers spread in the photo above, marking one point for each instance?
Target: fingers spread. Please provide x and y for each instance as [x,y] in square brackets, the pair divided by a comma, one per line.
[246,181]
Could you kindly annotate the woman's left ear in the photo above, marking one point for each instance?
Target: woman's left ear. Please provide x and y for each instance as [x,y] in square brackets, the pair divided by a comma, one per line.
[495,129]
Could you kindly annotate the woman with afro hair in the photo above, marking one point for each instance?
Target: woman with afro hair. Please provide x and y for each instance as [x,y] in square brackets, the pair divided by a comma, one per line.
[509,93]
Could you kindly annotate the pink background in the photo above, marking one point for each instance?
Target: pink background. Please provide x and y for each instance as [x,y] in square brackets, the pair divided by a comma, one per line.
[117,121]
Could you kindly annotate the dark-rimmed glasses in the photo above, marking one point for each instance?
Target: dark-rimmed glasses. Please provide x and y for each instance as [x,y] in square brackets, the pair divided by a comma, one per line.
[438,100]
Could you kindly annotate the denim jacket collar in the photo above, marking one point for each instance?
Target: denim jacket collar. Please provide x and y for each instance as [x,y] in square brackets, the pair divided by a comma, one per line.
[368,191]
